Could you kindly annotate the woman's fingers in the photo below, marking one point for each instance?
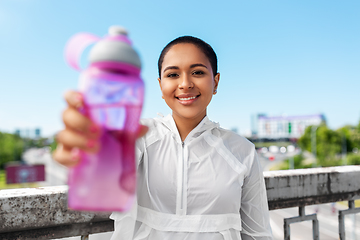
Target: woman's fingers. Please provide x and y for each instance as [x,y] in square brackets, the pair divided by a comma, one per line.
[74,99]
[69,142]
[74,120]
[66,156]
[70,139]
[80,132]
[67,152]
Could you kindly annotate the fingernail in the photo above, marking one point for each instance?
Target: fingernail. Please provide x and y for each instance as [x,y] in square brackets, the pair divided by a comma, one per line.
[91,143]
[78,100]
[94,128]
[75,154]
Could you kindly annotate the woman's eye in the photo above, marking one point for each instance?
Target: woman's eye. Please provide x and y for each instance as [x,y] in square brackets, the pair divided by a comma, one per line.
[172,75]
[198,73]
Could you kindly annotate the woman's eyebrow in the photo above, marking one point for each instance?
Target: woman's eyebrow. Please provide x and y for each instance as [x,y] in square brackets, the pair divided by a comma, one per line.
[197,65]
[170,67]
[191,66]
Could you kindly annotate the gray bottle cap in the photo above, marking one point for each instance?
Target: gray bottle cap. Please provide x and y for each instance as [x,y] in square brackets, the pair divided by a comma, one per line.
[109,49]
[117,30]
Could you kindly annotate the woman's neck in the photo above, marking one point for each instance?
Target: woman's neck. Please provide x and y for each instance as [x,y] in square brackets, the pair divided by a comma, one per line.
[186,125]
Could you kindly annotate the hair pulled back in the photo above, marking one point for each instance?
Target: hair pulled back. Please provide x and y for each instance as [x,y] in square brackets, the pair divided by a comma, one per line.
[203,46]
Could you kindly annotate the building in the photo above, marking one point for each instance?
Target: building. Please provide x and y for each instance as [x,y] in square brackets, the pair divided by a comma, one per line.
[29,133]
[276,127]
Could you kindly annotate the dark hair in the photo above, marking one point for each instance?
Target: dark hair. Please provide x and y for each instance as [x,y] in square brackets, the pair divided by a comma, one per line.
[203,46]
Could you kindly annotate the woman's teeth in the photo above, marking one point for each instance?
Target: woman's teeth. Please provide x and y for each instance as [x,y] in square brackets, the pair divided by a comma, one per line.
[188,98]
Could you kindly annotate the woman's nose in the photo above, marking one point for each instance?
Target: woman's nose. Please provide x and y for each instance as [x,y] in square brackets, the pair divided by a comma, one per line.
[185,82]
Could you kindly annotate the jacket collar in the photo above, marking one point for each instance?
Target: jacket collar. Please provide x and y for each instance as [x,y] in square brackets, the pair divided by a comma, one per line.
[203,126]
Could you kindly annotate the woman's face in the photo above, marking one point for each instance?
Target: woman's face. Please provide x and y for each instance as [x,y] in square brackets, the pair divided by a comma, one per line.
[187,81]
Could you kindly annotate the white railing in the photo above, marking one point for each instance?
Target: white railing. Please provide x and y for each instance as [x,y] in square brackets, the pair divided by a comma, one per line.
[41,213]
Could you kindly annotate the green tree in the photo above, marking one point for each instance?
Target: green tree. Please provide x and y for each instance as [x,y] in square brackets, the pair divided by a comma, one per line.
[353,159]
[328,144]
[298,163]
[355,137]
[11,148]
[37,143]
[53,145]
[350,136]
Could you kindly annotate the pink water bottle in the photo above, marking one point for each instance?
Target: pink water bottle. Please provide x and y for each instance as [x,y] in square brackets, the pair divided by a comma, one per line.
[113,94]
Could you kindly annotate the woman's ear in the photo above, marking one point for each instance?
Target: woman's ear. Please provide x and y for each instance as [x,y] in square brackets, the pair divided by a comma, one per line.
[160,86]
[160,83]
[216,81]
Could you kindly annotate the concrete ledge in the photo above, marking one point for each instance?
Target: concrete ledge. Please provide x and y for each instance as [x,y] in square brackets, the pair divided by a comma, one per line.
[60,231]
[39,208]
[41,213]
[291,188]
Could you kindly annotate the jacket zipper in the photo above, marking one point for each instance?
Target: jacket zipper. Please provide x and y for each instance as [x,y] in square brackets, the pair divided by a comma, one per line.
[182,177]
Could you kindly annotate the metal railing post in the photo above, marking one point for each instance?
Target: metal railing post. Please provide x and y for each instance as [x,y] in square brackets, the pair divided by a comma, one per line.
[302,217]
[315,228]
[342,213]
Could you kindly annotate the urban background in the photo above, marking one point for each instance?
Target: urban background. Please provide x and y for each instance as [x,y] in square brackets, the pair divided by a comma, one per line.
[290,81]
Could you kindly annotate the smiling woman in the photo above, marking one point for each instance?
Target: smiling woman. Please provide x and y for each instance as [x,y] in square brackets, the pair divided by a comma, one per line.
[187,84]
[195,180]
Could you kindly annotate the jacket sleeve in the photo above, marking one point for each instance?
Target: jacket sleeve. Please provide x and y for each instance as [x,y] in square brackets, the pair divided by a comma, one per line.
[254,209]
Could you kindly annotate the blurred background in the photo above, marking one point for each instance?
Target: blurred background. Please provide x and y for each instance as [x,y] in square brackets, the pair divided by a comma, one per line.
[290,73]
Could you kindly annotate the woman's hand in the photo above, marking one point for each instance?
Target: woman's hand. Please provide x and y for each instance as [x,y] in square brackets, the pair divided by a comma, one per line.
[79,133]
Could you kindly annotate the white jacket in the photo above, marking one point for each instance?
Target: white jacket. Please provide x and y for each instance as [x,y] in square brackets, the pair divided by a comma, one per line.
[208,187]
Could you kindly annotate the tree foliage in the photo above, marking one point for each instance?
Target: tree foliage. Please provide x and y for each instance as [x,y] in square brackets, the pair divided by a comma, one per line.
[328,142]
[11,148]
[331,144]
[298,161]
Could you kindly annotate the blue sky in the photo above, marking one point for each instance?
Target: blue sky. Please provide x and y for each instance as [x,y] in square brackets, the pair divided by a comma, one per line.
[275,57]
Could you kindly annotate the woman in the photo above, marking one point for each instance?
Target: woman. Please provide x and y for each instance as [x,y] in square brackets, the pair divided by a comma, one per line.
[195,179]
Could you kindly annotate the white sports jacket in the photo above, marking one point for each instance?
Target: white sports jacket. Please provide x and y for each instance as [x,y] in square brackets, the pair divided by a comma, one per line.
[209,187]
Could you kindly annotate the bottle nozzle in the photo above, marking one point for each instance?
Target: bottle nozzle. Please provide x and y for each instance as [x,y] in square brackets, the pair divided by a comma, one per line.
[117,30]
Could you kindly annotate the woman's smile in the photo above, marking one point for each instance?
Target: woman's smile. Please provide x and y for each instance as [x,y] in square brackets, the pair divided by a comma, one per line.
[187,99]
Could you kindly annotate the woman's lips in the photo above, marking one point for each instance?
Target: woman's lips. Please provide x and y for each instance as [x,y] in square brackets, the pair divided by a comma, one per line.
[187,100]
